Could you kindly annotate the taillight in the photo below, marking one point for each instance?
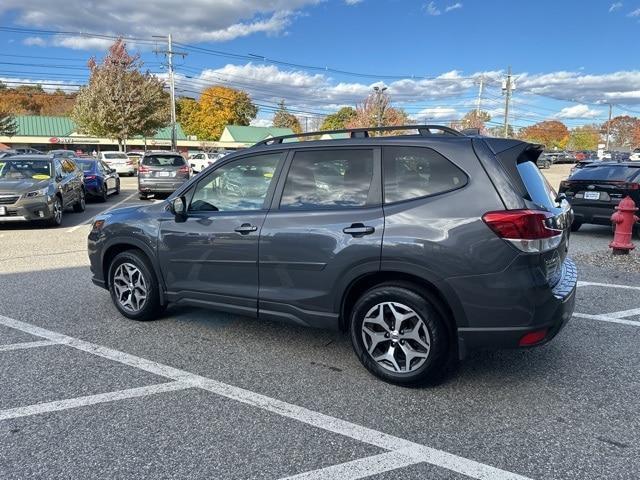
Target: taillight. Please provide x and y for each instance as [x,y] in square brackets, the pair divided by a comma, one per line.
[143,169]
[184,169]
[90,177]
[632,186]
[530,231]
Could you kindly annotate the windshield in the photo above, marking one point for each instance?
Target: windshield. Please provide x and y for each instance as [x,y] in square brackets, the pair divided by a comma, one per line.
[116,156]
[86,165]
[614,172]
[20,169]
[163,161]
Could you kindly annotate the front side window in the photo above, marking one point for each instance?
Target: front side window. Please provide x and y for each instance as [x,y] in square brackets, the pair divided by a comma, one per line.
[241,185]
[337,178]
[414,172]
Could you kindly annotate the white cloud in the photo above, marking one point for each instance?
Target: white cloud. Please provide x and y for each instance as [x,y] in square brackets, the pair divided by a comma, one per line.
[455,6]
[635,13]
[47,85]
[191,20]
[34,42]
[578,111]
[431,9]
[436,113]
[262,122]
[352,2]
[615,6]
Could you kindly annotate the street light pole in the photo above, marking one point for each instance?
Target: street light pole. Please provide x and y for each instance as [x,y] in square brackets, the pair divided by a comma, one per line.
[172,89]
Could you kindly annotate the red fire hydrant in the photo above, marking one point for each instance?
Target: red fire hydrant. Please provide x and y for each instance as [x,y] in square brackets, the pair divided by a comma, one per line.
[623,220]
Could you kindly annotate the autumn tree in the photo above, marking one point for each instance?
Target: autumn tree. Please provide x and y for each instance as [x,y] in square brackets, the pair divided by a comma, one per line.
[375,109]
[622,130]
[216,108]
[551,133]
[120,100]
[586,137]
[474,119]
[284,119]
[636,137]
[34,100]
[338,120]
[8,125]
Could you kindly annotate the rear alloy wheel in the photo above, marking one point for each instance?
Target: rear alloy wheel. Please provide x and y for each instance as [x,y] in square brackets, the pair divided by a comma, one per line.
[56,213]
[134,287]
[117,188]
[104,195]
[81,204]
[399,336]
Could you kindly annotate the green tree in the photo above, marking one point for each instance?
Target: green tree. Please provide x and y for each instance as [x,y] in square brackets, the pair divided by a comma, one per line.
[8,125]
[120,101]
[586,137]
[338,120]
[283,119]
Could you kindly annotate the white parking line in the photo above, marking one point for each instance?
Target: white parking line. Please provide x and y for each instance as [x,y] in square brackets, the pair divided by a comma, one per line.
[58,405]
[110,207]
[611,285]
[360,468]
[605,318]
[624,313]
[419,453]
[23,345]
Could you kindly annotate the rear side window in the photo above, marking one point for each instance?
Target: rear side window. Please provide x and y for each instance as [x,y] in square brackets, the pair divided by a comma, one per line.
[607,172]
[337,178]
[163,161]
[539,190]
[415,172]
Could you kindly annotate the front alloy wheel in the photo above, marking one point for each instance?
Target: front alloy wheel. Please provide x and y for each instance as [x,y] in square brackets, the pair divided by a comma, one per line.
[130,287]
[56,213]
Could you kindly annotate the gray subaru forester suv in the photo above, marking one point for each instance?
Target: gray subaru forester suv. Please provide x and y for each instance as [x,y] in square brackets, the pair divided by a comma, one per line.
[422,246]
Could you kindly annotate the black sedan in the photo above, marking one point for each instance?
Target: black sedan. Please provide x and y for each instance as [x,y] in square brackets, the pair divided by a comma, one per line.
[597,188]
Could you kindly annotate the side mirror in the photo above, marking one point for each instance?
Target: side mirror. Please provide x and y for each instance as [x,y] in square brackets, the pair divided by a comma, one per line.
[179,208]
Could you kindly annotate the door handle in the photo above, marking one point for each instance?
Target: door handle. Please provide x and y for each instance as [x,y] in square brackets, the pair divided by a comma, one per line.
[246,228]
[358,230]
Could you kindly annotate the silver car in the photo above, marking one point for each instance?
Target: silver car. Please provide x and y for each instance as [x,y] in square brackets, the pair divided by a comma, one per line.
[161,172]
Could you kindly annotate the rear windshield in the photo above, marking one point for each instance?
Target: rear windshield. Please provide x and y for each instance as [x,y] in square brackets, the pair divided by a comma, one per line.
[86,165]
[163,161]
[607,172]
[116,156]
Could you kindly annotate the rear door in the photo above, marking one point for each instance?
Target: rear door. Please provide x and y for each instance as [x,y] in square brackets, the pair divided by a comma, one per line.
[324,230]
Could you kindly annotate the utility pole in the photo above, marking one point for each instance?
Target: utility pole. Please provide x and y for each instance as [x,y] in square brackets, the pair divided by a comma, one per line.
[380,107]
[478,103]
[172,87]
[608,127]
[506,91]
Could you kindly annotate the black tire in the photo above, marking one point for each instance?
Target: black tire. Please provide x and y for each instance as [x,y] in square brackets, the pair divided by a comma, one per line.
[104,194]
[547,164]
[435,367]
[575,226]
[81,204]
[143,196]
[117,192]
[151,308]
[56,219]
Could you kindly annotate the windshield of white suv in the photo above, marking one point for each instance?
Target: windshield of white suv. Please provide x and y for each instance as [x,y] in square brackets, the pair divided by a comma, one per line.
[116,156]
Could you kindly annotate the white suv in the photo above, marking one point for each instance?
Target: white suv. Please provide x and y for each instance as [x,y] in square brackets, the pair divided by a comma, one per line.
[119,161]
[200,161]
[635,155]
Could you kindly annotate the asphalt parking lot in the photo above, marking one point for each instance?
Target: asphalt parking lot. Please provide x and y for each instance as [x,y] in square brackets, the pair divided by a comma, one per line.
[85,393]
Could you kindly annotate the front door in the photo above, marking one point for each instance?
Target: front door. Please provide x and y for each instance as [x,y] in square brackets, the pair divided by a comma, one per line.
[211,258]
[324,232]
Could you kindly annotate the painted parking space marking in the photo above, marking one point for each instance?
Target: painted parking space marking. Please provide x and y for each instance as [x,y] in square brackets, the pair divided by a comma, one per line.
[360,468]
[25,345]
[605,318]
[110,207]
[619,317]
[58,405]
[610,285]
[184,379]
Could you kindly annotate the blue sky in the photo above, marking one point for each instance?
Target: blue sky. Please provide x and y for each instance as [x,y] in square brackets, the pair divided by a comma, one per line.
[569,57]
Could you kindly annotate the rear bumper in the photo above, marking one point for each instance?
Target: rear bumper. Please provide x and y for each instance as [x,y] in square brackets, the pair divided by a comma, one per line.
[552,311]
[598,215]
[157,185]
[124,169]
